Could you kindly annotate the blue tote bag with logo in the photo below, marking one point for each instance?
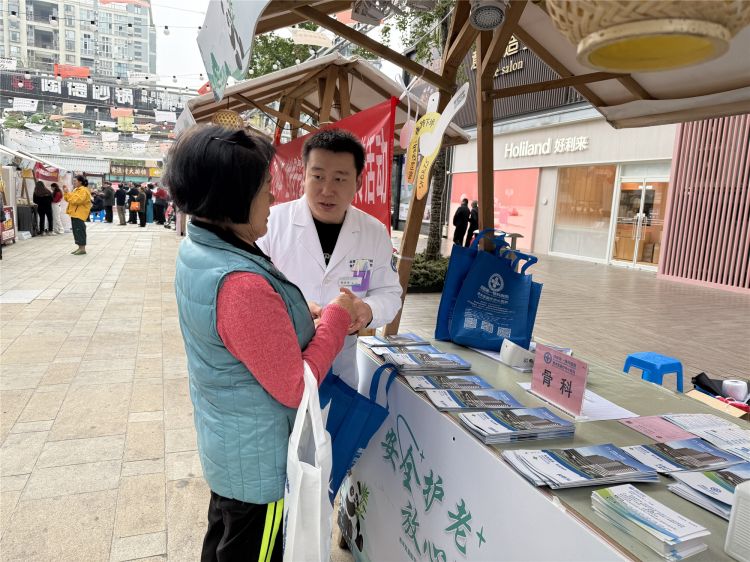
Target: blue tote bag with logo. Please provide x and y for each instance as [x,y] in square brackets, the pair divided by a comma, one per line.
[352,419]
[495,302]
[459,265]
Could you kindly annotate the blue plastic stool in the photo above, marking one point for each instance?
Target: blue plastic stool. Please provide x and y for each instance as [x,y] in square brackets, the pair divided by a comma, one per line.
[654,367]
[97,216]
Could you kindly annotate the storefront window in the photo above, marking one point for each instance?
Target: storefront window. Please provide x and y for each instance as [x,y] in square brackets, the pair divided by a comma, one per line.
[583,210]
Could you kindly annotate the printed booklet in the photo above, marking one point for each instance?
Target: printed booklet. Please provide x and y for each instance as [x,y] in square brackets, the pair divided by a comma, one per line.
[684,454]
[420,363]
[471,400]
[395,340]
[583,466]
[663,530]
[391,349]
[447,382]
[514,424]
[713,489]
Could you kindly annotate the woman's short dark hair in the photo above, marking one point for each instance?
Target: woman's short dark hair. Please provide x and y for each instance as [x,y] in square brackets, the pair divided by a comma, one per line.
[214,172]
[82,180]
[336,140]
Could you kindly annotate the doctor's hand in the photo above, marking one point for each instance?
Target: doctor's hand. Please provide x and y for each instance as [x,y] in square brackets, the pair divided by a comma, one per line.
[363,313]
[348,302]
[315,311]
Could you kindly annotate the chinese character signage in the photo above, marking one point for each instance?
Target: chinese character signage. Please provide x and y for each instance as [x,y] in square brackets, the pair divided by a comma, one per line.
[549,146]
[125,170]
[559,379]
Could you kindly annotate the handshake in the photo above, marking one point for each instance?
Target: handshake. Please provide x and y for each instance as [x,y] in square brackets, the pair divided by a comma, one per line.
[359,311]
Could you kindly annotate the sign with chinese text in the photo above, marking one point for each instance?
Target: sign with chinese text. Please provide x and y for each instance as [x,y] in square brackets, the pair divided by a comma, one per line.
[124,170]
[550,146]
[559,379]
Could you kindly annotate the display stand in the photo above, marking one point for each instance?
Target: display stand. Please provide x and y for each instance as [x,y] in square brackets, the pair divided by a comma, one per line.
[426,489]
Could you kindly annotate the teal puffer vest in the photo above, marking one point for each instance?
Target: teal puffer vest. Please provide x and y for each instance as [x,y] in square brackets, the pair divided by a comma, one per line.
[242,430]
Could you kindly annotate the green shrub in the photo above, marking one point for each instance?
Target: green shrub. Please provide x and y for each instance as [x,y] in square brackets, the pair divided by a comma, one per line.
[427,276]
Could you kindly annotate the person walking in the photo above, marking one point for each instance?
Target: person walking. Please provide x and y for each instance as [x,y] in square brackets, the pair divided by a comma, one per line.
[473,222]
[161,199]
[108,199]
[461,222]
[79,207]
[149,191]
[141,199]
[120,198]
[133,194]
[57,197]
[248,333]
[43,199]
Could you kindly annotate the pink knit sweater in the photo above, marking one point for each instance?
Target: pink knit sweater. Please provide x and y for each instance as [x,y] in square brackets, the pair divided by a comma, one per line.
[254,324]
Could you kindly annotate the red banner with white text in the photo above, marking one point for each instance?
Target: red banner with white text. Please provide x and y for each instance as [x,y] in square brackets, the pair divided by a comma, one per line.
[375,128]
[46,173]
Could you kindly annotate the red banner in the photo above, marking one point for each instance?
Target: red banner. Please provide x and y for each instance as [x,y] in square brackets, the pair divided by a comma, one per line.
[46,173]
[70,71]
[375,128]
[205,88]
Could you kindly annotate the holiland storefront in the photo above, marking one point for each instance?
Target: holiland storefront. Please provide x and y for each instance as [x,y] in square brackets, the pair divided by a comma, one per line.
[575,187]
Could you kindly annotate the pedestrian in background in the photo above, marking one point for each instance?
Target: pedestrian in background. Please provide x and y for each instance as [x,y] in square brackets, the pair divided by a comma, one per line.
[108,199]
[161,198]
[149,190]
[133,194]
[121,196]
[57,197]
[141,199]
[79,207]
[461,221]
[43,200]
[473,222]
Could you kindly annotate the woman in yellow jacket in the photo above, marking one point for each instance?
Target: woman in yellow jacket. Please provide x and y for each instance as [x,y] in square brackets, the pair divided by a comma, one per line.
[79,207]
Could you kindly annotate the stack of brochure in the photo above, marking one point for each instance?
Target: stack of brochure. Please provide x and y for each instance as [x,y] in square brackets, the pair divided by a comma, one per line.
[471,400]
[663,530]
[395,340]
[683,454]
[420,362]
[515,424]
[712,490]
[584,466]
[448,382]
[383,350]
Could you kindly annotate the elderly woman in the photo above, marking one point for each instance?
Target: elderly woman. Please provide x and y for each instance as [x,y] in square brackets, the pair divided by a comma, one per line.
[79,207]
[247,333]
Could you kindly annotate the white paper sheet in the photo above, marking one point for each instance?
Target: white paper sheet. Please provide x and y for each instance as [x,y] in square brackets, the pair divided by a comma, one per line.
[596,408]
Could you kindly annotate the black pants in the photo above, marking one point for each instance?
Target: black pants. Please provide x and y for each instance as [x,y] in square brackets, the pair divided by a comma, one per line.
[108,213]
[159,213]
[79,231]
[242,531]
[45,211]
[133,217]
[142,217]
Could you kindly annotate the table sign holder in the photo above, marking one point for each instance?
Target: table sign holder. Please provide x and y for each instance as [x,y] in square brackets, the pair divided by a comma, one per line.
[559,379]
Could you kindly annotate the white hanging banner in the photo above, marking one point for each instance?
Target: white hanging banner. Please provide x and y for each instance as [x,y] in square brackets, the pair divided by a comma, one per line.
[168,116]
[8,64]
[106,124]
[68,108]
[110,137]
[307,37]
[24,104]
[110,147]
[34,126]
[141,136]
[138,147]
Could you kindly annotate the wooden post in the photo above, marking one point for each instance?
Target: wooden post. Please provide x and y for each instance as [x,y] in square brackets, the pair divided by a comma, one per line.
[485,164]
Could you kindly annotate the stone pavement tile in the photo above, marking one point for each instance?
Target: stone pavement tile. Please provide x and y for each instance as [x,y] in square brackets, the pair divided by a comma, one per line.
[62,370]
[178,418]
[103,377]
[175,368]
[18,382]
[52,387]
[42,406]
[92,411]
[72,479]
[139,546]
[121,364]
[177,440]
[13,483]
[28,427]
[148,365]
[74,346]
[20,452]
[148,466]
[145,440]
[146,397]
[12,403]
[76,527]
[8,502]
[182,465]
[187,506]
[21,351]
[141,506]
[146,416]
[77,451]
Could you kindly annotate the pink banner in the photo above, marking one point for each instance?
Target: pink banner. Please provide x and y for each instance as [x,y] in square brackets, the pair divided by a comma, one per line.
[375,128]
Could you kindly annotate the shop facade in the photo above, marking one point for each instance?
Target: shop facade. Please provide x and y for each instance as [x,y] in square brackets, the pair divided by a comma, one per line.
[573,186]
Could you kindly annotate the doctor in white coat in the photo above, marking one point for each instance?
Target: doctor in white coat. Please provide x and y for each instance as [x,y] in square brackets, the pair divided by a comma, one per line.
[323,244]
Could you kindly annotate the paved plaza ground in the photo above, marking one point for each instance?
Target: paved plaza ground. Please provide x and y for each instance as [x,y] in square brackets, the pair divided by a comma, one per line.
[98,458]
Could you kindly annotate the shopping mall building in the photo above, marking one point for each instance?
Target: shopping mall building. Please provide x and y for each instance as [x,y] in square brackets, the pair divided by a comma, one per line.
[672,199]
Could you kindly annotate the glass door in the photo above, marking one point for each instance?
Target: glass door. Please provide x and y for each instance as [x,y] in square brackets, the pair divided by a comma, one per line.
[640,222]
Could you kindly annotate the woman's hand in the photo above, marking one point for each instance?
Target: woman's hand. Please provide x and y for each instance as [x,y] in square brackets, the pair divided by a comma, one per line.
[347,300]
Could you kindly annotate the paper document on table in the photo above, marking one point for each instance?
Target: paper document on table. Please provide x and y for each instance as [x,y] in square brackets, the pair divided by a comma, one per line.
[731,439]
[595,407]
[693,422]
[657,428]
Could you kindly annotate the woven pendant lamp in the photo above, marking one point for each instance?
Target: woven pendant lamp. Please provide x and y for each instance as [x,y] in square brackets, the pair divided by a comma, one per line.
[228,118]
[648,35]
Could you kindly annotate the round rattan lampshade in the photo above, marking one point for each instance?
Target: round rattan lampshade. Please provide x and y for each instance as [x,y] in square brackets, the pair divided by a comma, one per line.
[648,35]
[228,118]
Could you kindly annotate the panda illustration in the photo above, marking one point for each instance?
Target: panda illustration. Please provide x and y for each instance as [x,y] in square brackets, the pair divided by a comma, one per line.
[348,518]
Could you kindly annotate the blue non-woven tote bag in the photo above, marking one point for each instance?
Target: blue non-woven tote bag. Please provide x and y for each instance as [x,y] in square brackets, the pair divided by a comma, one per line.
[458,267]
[352,419]
[493,303]
[535,293]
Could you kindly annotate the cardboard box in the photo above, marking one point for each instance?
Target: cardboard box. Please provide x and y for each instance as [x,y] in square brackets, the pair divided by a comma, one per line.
[718,404]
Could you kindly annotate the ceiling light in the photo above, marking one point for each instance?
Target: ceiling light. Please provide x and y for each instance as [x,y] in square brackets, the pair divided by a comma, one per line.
[486,15]
[166,30]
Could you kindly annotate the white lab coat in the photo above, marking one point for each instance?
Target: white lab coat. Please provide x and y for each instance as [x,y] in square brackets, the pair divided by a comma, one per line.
[293,245]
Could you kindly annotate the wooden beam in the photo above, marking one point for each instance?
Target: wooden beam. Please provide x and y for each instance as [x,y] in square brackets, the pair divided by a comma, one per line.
[345,105]
[551,84]
[500,37]
[486,42]
[326,102]
[373,46]
[380,90]
[295,115]
[280,14]
[635,88]
[555,64]
[306,83]
[282,116]
[460,46]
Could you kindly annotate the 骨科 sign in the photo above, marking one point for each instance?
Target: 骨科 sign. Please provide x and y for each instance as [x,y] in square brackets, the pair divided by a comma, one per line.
[550,146]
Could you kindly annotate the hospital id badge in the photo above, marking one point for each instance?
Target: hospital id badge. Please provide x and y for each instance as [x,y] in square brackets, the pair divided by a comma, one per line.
[360,279]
